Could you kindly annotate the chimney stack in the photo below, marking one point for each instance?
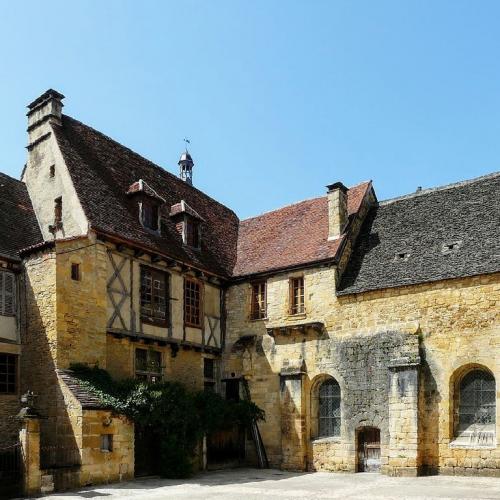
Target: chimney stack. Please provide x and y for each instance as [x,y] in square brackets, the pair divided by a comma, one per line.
[44,110]
[337,210]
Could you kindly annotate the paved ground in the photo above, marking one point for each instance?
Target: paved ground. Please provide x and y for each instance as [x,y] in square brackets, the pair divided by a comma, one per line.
[254,484]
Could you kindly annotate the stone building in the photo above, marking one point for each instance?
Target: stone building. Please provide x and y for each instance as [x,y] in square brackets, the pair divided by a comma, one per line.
[368,331]
[18,228]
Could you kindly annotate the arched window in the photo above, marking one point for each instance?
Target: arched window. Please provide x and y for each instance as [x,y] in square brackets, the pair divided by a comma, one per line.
[476,410]
[329,409]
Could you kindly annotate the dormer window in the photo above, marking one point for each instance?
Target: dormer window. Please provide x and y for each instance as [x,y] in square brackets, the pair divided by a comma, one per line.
[192,233]
[149,214]
[188,223]
[149,204]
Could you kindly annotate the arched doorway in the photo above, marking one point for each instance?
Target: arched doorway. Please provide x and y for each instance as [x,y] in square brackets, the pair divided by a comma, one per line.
[368,449]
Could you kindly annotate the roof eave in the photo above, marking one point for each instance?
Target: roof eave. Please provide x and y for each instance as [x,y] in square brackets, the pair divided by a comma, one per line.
[279,270]
[135,244]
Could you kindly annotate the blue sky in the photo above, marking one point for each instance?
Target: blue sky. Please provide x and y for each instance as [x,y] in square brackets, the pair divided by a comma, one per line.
[279,98]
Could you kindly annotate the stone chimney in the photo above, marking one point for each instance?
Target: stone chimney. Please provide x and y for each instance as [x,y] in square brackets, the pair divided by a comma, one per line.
[44,110]
[337,210]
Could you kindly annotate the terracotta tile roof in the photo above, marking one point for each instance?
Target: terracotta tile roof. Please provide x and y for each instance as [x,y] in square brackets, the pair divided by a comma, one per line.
[103,170]
[407,241]
[18,224]
[294,235]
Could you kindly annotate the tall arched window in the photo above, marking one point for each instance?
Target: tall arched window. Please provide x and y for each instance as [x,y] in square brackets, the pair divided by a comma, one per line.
[329,409]
[476,410]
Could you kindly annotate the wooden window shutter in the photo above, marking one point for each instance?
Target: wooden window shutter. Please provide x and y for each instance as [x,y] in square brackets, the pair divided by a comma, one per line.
[7,294]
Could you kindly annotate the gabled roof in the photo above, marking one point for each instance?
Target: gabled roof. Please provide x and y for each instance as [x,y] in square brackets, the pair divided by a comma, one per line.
[103,170]
[407,240]
[143,187]
[18,224]
[291,236]
[184,208]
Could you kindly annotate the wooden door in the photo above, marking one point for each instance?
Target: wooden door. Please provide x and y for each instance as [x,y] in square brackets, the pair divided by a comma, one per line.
[146,452]
[226,448]
[369,449]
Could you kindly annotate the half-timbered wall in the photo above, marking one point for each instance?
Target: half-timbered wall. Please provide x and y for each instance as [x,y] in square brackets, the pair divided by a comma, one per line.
[124,302]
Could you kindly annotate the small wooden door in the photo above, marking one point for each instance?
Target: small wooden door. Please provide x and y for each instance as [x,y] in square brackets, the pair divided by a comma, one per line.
[226,448]
[146,452]
[369,449]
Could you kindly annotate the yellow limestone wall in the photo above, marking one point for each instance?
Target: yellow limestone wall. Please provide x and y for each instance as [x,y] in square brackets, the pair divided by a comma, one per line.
[67,322]
[457,322]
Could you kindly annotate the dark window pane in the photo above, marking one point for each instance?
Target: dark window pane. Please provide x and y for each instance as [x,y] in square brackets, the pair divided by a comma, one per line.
[192,302]
[477,399]
[208,368]
[8,373]
[154,292]
[233,390]
[329,409]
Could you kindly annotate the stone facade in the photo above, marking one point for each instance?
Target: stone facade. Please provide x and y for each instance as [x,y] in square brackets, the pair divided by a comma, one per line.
[395,354]
[10,344]
[81,329]
[384,340]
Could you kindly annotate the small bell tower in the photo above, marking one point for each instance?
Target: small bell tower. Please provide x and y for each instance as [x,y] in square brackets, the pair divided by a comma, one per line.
[186,166]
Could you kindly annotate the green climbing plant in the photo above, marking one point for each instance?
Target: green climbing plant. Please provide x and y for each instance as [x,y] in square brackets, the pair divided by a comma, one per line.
[177,417]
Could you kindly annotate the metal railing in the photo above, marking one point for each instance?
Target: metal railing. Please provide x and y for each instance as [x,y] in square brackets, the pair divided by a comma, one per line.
[10,470]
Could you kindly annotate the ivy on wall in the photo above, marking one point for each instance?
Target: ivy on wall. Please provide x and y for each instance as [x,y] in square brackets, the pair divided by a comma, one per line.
[177,417]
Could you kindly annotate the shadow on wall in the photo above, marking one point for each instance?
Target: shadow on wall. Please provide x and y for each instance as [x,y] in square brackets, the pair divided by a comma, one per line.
[428,421]
[58,445]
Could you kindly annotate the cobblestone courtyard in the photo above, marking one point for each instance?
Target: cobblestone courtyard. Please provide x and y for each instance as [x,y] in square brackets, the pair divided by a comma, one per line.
[253,484]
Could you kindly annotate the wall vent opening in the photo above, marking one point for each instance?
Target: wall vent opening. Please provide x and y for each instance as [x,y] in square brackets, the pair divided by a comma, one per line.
[402,256]
[450,247]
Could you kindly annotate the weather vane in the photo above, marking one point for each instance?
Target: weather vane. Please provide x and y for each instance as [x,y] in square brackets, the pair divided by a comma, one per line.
[187,141]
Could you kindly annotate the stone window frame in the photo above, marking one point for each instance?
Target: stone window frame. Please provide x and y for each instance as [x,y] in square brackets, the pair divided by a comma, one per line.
[468,438]
[258,307]
[151,373]
[76,271]
[58,212]
[210,373]
[314,408]
[292,307]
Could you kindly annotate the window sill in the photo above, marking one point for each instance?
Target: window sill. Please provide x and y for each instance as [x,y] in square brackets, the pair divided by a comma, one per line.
[293,317]
[463,445]
[152,322]
[190,325]
[324,440]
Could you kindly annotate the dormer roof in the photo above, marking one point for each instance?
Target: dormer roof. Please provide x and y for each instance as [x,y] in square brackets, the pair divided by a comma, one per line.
[143,187]
[183,208]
